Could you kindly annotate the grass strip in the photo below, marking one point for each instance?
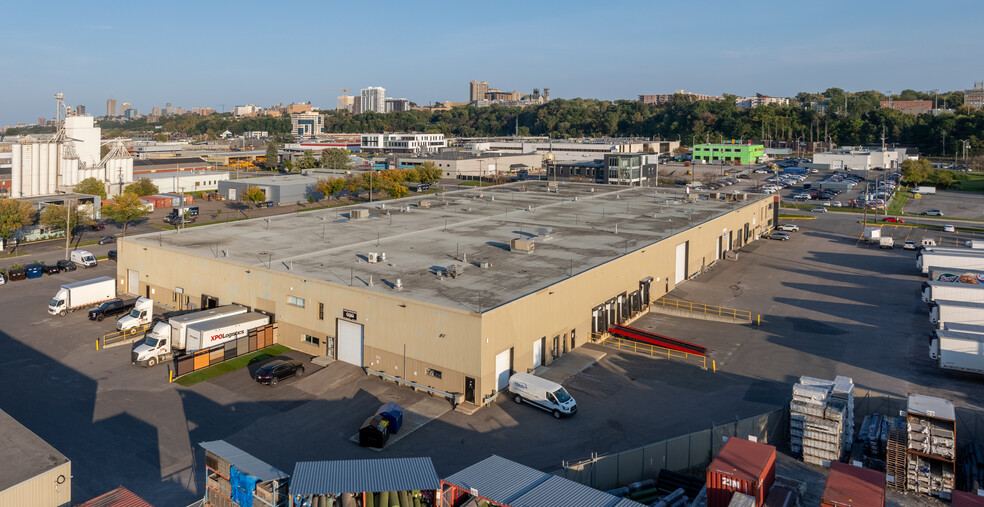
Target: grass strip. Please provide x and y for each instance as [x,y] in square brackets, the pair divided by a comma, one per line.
[220,369]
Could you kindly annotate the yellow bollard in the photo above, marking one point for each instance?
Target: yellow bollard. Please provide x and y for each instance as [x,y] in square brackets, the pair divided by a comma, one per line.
[759,320]
[170,375]
[714,366]
[97,344]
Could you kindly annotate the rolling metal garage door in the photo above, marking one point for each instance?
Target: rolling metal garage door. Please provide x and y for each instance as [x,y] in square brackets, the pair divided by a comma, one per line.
[132,281]
[350,342]
[681,263]
[502,372]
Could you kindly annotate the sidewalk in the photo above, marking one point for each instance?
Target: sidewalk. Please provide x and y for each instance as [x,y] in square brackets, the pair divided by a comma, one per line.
[571,363]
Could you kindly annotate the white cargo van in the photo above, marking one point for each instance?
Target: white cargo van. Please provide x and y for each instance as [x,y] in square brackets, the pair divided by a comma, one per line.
[542,393]
[83,258]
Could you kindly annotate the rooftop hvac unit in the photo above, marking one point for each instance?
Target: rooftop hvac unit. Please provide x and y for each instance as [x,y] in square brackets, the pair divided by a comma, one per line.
[455,271]
[373,257]
[521,245]
[360,213]
[485,264]
[425,204]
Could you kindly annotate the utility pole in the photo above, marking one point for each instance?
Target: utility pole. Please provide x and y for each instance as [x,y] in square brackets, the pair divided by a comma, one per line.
[68,226]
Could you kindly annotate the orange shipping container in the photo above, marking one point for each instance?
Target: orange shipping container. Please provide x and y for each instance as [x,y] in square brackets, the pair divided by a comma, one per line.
[743,467]
[848,485]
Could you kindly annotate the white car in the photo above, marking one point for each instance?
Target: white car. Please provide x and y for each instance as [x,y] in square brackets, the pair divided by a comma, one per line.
[788,227]
[837,204]
[909,245]
[819,210]
[949,228]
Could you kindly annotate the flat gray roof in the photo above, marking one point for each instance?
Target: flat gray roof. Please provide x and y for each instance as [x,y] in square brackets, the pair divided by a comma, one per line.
[932,406]
[25,454]
[280,179]
[576,228]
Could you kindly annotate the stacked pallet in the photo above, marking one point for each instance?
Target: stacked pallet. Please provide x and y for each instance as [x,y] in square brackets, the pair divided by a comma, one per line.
[895,465]
[931,452]
[819,418]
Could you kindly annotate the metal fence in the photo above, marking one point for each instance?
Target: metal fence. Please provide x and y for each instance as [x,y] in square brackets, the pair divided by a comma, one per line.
[255,339]
[689,306]
[676,454]
[650,350]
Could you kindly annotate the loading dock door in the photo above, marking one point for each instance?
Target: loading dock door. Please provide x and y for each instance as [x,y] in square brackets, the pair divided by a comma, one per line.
[681,263]
[132,281]
[349,342]
[502,373]
[717,249]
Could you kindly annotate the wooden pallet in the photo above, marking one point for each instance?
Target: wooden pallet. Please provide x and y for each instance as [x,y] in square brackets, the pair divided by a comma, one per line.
[895,464]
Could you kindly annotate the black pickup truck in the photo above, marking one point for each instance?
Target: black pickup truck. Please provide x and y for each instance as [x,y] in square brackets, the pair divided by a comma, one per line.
[111,308]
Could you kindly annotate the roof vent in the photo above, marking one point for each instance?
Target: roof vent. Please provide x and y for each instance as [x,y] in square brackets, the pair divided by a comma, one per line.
[398,284]
[382,257]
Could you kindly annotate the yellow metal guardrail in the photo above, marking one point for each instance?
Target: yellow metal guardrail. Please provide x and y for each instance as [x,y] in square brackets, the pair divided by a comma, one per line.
[648,349]
[690,306]
[117,338]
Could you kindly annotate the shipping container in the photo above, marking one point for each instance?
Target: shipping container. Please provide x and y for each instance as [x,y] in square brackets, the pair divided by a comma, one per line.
[848,485]
[742,467]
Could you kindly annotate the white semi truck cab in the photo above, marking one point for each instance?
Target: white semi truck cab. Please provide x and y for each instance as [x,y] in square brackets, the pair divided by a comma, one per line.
[142,313]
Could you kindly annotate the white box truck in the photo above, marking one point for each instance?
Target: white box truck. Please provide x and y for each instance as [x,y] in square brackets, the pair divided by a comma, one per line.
[542,393]
[958,351]
[72,296]
[924,190]
[944,311]
[166,339]
[969,260]
[872,235]
[886,242]
[952,291]
[142,313]
[83,258]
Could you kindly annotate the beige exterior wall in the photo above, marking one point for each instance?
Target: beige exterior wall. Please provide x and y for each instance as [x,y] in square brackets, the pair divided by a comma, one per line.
[408,338]
[52,488]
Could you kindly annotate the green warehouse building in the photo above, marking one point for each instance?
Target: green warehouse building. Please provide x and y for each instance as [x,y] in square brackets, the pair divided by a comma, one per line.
[729,153]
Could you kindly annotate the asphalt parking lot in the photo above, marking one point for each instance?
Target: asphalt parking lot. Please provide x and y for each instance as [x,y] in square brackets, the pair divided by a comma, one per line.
[829,307]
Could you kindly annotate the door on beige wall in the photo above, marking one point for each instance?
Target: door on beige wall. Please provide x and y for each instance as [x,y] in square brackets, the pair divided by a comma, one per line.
[680,273]
[132,281]
[538,346]
[502,371]
[350,342]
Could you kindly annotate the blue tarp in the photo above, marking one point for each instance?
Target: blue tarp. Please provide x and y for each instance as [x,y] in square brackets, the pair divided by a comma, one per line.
[393,413]
[243,487]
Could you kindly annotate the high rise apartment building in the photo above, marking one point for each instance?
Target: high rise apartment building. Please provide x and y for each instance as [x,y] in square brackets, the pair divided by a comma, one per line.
[111,108]
[477,90]
[373,99]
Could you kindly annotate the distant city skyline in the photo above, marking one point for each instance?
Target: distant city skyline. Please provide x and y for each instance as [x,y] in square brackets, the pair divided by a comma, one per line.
[635,47]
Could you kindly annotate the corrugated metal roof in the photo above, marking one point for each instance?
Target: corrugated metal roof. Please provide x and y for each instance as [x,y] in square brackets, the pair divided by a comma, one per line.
[244,461]
[559,492]
[363,475]
[119,497]
[498,479]
[743,459]
[510,483]
[849,485]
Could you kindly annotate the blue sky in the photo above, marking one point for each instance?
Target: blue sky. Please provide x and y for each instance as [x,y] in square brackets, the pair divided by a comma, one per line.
[205,53]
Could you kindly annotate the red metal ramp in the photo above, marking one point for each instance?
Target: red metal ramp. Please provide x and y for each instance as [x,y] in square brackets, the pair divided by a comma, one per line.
[631,333]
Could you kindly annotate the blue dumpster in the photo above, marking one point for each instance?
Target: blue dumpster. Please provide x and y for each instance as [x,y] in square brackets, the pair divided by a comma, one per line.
[393,413]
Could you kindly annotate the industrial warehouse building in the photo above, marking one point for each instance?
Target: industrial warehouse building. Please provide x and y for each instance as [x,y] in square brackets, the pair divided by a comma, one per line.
[281,189]
[451,291]
[34,472]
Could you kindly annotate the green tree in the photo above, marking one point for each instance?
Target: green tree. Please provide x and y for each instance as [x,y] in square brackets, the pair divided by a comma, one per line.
[396,190]
[125,208]
[161,138]
[916,171]
[335,158]
[91,186]
[14,215]
[272,161]
[329,187]
[307,161]
[254,195]
[142,187]
[428,172]
[53,217]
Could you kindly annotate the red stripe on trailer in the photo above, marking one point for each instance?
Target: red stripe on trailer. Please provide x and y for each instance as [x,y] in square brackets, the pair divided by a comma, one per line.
[658,340]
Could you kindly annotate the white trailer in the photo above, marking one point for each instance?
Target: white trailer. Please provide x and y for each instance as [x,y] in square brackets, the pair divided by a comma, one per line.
[938,274]
[952,291]
[958,351]
[964,328]
[167,338]
[216,332]
[72,296]
[970,260]
[872,235]
[924,190]
[945,311]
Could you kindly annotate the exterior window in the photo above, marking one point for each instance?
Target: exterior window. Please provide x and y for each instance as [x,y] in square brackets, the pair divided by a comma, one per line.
[313,340]
[295,301]
[321,311]
[434,373]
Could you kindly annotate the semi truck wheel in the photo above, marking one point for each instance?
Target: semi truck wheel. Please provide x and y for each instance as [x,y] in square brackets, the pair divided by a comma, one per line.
[556,414]
[151,362]
[518,399]
[63,313]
